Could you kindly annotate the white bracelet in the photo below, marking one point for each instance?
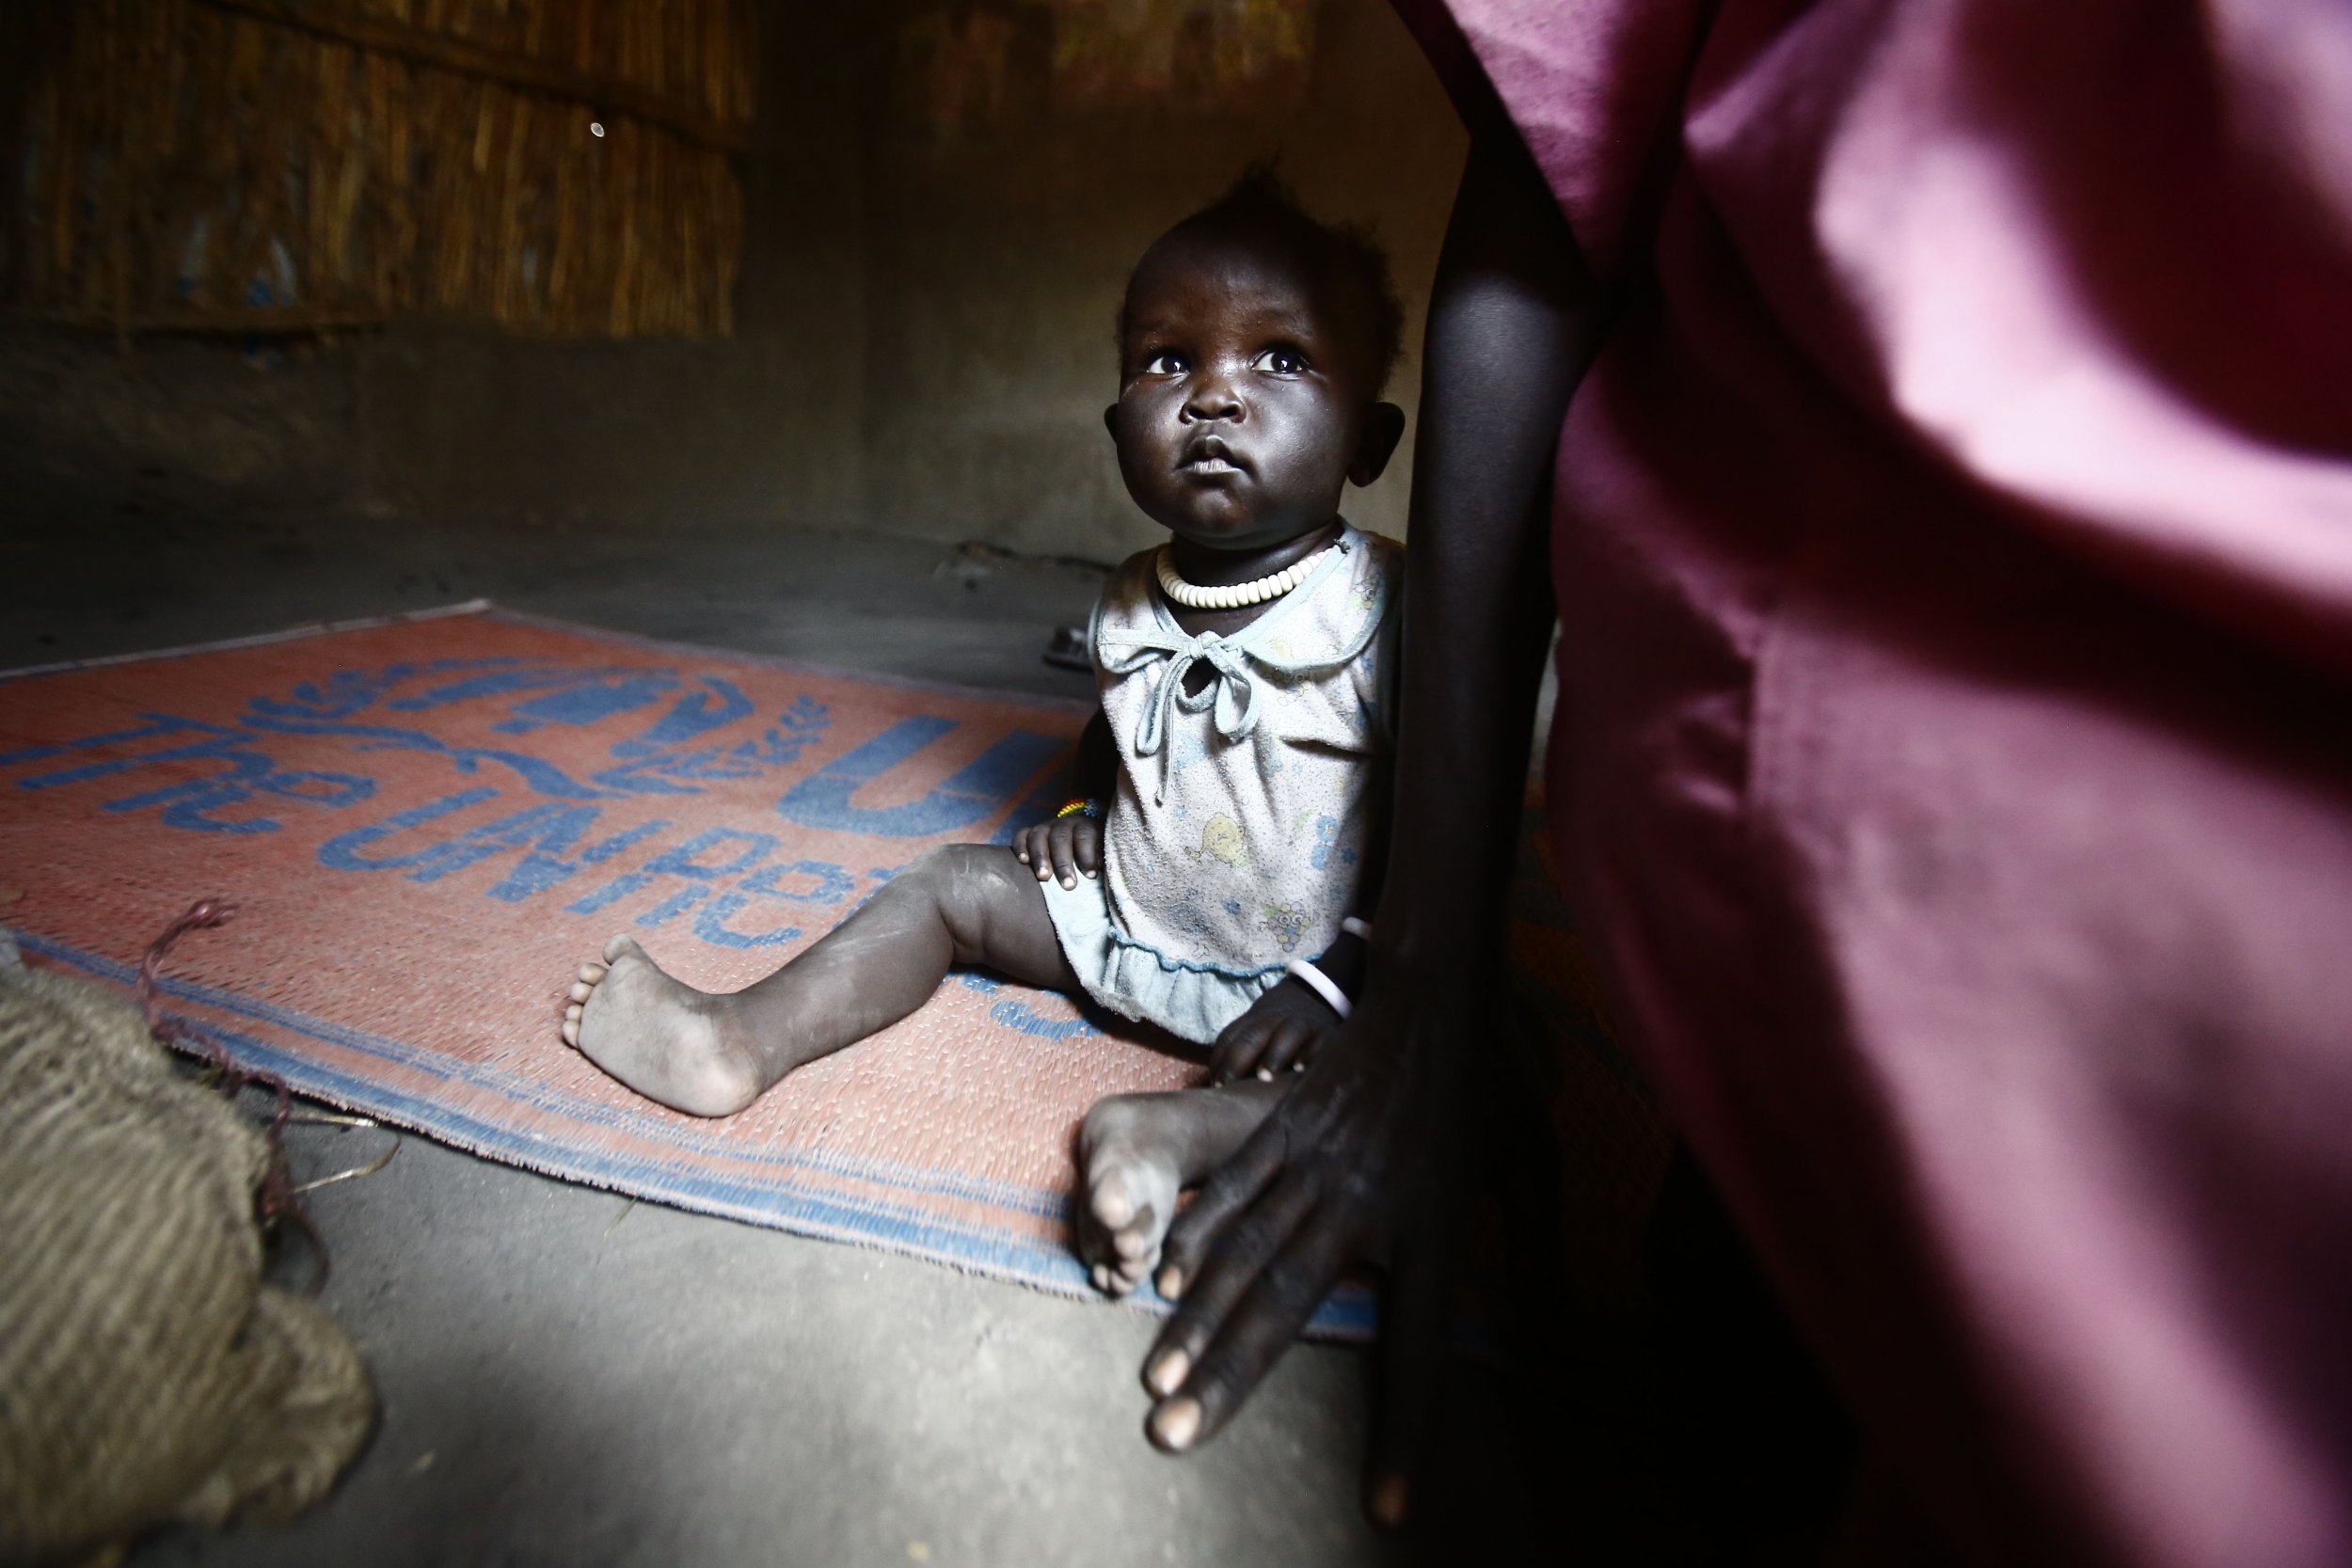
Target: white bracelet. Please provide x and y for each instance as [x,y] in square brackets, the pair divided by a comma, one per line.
[1356,927]
[1321,985]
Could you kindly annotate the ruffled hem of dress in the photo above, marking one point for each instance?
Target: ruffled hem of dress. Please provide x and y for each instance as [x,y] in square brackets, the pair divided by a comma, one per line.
[1192,1003]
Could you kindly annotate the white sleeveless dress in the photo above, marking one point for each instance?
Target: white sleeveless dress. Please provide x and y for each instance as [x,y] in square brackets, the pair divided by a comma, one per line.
[1240,826]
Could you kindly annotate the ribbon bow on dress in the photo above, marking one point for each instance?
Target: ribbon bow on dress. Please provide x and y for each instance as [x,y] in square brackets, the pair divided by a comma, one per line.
[1234,692]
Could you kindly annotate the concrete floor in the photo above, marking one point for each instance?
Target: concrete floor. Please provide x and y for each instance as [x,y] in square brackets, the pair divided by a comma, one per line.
[570,1379]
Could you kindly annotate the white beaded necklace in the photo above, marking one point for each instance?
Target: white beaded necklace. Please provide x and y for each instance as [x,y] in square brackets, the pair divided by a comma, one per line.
[1239,595]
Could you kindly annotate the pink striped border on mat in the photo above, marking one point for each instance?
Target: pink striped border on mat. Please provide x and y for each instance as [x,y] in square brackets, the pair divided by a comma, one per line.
[427,823]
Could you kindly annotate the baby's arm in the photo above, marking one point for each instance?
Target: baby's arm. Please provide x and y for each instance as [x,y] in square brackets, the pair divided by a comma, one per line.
[1286,1026]
[1069,845]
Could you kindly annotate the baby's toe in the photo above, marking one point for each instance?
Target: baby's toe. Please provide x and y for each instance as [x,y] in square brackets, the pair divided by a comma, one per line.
[583,990]
[1114,1208]
[1134,1240]
[622,946]
[590,973]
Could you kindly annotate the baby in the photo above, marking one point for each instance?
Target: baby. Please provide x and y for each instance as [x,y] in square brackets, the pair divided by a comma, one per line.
[1211,877]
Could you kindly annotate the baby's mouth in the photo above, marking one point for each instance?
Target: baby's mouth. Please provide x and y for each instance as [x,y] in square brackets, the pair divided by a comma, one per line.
[1209,456]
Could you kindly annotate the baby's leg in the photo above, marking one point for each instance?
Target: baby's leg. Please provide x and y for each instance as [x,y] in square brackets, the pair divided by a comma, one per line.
[1136,1151]
[711,1055]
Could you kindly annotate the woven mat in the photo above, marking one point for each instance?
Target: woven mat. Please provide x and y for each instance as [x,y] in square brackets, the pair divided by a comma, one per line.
[426,824]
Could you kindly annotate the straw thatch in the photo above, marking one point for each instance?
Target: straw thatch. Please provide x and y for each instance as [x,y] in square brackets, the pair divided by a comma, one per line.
[308,164]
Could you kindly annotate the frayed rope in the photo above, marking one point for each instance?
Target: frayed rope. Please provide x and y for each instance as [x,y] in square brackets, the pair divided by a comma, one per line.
[276,1200]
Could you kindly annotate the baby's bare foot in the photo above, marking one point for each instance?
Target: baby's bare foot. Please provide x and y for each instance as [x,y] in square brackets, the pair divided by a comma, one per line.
[1128,1176]
[662,1037]
[1136,1152]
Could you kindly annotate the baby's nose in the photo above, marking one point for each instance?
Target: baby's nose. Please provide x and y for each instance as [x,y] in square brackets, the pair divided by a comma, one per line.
[1213,399]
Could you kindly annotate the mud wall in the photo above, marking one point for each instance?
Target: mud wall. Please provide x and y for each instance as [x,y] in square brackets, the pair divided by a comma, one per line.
[942,203]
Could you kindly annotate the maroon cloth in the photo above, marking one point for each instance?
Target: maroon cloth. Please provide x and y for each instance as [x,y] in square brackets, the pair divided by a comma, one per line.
[1954,753]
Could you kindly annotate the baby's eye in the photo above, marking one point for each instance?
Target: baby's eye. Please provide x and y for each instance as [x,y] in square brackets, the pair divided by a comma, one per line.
[1281,361]
[1167,362]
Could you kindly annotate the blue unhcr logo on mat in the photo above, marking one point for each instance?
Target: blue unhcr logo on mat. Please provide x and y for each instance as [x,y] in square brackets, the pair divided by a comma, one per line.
[708,731]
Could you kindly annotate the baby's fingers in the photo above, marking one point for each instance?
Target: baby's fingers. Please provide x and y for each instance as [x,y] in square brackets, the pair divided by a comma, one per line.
[1085,838]
[1292,1045]
[1238,1048]
[1065,864]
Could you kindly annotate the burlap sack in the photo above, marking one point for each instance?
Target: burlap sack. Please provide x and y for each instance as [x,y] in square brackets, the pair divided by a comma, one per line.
[146,1372]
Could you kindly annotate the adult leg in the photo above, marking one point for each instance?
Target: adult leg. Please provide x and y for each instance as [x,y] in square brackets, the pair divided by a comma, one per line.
[710,1055]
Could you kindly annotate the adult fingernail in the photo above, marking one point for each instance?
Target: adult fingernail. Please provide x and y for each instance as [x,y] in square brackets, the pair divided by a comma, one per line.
[1389,1495]
[1070,881]
[1175,1424]
[1265,1076]
[1168,1373]
[1170,1282]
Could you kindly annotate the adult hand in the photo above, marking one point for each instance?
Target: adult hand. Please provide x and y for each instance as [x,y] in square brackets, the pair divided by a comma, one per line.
[1063,849]
[1354,1165]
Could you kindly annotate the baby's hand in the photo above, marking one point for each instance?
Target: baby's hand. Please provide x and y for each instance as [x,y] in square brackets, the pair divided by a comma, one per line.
[1283,1028]
[1063,847]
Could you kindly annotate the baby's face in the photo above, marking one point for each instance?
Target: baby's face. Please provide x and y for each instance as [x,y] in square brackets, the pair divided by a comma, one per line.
[1244,390]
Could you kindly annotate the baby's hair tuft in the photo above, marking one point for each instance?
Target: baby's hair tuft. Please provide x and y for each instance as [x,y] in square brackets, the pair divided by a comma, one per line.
[1261,194]
[1260,197]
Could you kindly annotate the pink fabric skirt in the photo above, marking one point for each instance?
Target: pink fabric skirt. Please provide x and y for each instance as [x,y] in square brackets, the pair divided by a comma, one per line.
[1954,753]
